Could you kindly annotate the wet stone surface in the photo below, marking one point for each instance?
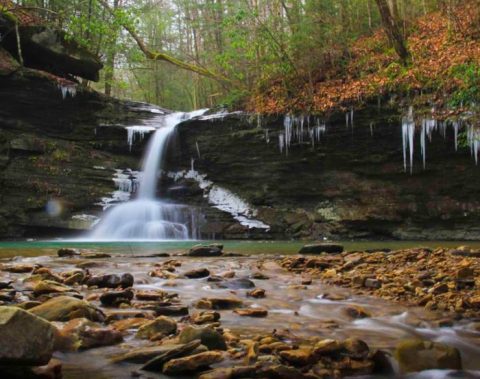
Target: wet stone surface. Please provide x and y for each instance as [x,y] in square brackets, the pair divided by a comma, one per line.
[252,317]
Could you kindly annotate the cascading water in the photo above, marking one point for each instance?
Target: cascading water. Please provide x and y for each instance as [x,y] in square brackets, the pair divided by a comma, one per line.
[148,218]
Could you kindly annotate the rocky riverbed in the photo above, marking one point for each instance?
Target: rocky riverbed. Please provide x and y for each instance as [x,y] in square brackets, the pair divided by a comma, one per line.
[210,314]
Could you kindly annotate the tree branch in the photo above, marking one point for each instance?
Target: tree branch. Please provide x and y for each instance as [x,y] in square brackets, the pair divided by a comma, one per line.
[159,56]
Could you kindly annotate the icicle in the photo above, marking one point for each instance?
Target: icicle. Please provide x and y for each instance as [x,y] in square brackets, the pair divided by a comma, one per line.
[408,135]
[267,136]
[351,117]
[281,142]
[67,91]
[473,139]
[288,132]
[192,164]
[371,129]
[198,148]
[423,143]
[259,120]
[455,132]
[347,115]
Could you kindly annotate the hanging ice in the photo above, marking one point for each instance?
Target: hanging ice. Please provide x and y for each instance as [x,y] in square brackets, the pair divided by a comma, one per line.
[137,133]
[408,136]
[473,140]
[67,90]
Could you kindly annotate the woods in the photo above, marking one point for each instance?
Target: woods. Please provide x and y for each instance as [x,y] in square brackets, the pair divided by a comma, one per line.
[222,51]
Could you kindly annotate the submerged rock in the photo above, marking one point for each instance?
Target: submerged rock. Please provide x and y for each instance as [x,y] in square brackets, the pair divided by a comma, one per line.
[219,303]
[115,298]
[208,336]
[67,252]
[214,250]
[156,364]
[145,354]
[161,326]
[111,281]
[25,338]
[318,248]
[192,363]
[84,334]
[418,355]
[252,312]
[65,308]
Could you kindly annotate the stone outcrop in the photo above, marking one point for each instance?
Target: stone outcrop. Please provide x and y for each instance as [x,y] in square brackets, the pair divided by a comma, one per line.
[349,183]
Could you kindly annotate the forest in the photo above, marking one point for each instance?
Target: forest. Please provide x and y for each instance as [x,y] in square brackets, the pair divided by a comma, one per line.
[273,56]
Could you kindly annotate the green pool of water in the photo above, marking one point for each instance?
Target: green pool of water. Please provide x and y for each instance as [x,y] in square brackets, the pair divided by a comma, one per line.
[35,248]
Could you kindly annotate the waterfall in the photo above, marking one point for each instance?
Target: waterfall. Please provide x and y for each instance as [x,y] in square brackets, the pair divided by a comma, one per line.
[146,217]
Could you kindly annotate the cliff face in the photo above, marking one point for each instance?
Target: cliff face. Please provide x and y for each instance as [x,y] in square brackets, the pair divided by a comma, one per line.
[344,182]
[58,155]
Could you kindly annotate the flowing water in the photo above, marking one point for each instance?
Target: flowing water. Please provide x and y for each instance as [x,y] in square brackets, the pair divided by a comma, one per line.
[305,311]
[146,217]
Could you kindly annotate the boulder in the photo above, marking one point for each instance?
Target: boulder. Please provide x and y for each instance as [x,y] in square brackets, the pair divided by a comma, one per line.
[162,325]
[49,286]
[25,338]
[66,308]
[67,252]
[205,317]
[111,281]
[192,363]
[156,364]
[417,355]
[318,248]
[213,250]
[208,337]
[197,273]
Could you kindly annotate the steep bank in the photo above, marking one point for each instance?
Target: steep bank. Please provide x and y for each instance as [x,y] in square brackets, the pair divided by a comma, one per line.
[347,181]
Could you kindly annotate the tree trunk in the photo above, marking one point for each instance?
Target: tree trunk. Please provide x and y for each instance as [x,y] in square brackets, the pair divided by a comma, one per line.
[110,63]
[393,32]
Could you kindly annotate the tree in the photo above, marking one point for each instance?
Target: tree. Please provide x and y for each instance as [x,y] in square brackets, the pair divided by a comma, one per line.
[390,25]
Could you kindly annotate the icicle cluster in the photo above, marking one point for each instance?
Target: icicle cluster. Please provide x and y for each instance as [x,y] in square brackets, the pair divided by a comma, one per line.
[67,91]
[135,133]
[299,129]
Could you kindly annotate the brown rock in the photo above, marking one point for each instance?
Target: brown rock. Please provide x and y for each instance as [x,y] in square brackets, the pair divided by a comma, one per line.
[252,312]
[192,363]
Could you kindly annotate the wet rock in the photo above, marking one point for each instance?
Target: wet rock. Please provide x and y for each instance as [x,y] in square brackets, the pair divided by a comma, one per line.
[162,325]
[418,355]
[439,289]
[372,283]
[318,248]
[25,338]
[74,278]
[327,346]
[197,273]
[252,312]
[85,334]
[4,285]
[129,323]
[115,298]
[170,310]
[231,372]
[236,284]
[356,348]
[298,357]
[465,273]
[219,303]
[465,251]
[156,364]
[17,269]
[94,255]
[257,293]
[192,363]
[208,337]
[281,372]
[52,370]
[68,252]
[259,276]
[47,286]
[206,317]
[111,281]
[65,308]
[150,295]
[355,312]
[145,354]
[214,250]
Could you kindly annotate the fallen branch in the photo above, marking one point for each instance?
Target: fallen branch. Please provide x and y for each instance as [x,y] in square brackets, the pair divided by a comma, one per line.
[159,56]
